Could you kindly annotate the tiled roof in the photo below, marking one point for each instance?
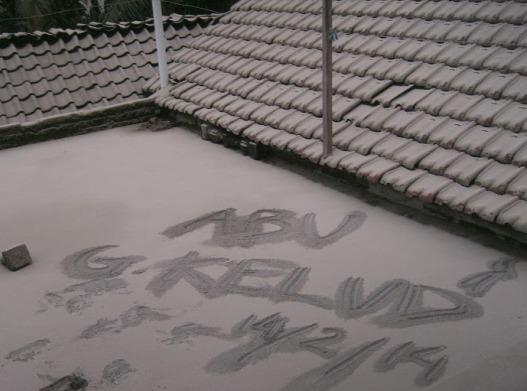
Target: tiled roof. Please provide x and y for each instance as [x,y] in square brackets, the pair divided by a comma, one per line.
[93,65]
[430,97]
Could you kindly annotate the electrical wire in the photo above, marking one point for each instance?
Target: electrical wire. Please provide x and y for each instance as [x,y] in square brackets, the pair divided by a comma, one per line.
[42,15]
[189,6]
[84,9]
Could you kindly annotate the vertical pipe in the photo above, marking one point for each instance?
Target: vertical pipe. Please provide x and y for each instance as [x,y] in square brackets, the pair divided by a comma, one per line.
[327,73]
[160,43]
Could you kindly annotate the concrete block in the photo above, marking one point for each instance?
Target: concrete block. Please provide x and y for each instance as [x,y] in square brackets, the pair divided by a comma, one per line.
[16,258]
[255,150]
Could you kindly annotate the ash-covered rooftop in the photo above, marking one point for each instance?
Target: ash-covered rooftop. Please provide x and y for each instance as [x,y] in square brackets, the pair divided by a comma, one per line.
[154,270]
[429,96]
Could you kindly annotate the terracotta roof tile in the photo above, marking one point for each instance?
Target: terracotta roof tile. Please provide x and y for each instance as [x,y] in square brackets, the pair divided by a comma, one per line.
[429,95]
[63,70]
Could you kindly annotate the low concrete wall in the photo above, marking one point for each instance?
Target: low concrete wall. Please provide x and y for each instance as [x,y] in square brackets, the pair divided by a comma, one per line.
[76,123]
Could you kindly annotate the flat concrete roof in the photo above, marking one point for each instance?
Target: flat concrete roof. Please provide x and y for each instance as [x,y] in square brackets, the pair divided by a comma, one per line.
[163,262]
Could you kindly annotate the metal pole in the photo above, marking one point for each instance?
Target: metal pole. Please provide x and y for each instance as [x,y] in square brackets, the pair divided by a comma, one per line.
[327,73]
[160,43]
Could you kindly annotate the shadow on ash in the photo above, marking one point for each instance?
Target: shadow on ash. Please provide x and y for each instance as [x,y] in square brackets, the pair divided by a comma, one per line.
[68,383]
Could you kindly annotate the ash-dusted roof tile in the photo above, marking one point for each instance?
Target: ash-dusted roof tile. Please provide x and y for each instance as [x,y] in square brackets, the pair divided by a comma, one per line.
[352,162]
[261,113]
[265,135]
[359,113]
[485,111]
[210,100]
[382,26]
[421,128]
[363,65]
[488,205]
[452,54]
[10,91]
[390,146]
[391,93]
[400,71]
[400,120]
[514,12]
[239,125]
[300,145]
[342,106]
[444,77]
[375,169]
[484,34]
[508,35]
[55,66]
[434,102]
[286,95]
[448,132]
[419,28]
[401,178]
[514,216]
[391,48]
[429,51]
[28,105]
[475,56]
[494,84]
[278,116]
[504,146]
[381,68]
[410,99]
[520,156]
[335,158]
[513,116]
[456,196]
[308,126]
[17,78]
[412,153]
[423,73]
[502,57]
[491,11]
[250,86]
[313,152]
[465,169]
[497,176]
[366,141]
[461,32]
[459,104]
[518,186]
[475,139]
[469,79]
[289,123]
[369,90]
[337,127]
[350,85]
[438,161]
[343,139]
[427,187]
[282,140]
[516,89]
[376,118]
[252,130]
